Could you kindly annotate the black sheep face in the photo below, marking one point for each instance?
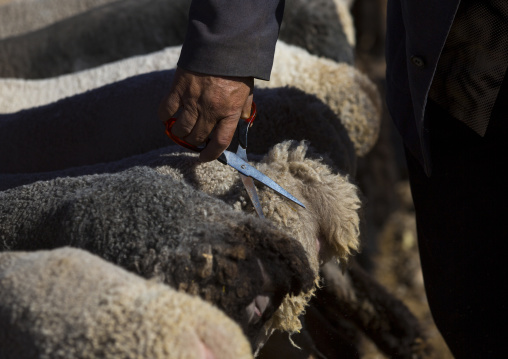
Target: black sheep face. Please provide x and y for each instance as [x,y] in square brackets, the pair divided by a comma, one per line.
[245,269]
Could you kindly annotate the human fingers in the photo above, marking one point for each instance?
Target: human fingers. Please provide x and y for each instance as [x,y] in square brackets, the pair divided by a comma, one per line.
[220,139]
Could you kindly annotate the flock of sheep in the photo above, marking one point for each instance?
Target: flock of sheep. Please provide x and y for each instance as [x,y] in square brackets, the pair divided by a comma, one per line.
[115,243]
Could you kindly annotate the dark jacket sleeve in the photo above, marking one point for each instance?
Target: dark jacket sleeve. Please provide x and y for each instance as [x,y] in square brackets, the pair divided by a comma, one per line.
[232,37]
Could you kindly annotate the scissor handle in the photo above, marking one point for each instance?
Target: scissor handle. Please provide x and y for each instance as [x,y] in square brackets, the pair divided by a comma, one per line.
[253,113]
[169,124]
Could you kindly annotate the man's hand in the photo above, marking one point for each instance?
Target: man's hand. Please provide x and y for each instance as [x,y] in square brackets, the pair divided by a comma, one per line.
[207,102]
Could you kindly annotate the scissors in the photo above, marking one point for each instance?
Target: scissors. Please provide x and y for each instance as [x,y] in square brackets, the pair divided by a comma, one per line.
[239,161]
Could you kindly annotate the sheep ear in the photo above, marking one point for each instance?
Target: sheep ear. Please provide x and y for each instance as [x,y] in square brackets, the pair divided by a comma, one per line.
[333,200]
[337,206]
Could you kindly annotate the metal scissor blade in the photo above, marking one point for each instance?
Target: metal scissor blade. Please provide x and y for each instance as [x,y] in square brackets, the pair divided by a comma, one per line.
[248,183]
[247,170]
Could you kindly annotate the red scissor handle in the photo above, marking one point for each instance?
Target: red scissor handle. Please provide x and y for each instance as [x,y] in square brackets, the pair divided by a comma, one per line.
[253,113]
[169,124]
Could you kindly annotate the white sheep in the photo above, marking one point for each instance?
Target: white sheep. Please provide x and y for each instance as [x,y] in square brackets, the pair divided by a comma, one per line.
[125,28]
[120,120]
[132,27]
[21,16]
[348,92]
[68,303]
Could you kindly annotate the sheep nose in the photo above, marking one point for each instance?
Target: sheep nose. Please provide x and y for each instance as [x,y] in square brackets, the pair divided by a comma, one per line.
[257,307]
[262,302]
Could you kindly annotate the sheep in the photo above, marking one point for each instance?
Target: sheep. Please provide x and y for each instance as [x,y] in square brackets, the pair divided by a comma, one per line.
[160,227]
[328,227]
[359,299]
[68,303]
[349,93]
[322,27]
[126,28]
[120,120]
[21,16]
[352,308]
[133,27]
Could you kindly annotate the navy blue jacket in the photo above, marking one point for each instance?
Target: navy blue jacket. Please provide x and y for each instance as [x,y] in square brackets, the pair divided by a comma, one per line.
[237,38]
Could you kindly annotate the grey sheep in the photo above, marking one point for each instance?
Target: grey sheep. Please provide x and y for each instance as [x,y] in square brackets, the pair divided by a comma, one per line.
[20,16]
[159,227]
[126,28]
[133,27]
[329,227]
[67,303]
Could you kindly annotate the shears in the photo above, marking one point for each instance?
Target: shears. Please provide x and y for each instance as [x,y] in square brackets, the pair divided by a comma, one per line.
[239,161]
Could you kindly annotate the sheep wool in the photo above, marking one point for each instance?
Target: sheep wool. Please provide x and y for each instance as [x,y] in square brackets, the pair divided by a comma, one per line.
[126,28]
[372,310]
[328,227]
[350,95]
[322,27]
[348,92]
[68,303]
[133,27]
[120,120]
[352,306]
[161,228]
[21,16]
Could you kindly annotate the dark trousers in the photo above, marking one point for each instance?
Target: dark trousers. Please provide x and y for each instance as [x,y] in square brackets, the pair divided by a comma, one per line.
[462,222]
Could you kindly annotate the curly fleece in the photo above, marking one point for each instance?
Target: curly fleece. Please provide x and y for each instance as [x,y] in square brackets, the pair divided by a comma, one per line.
[161,228]
[68,303]
[332,201]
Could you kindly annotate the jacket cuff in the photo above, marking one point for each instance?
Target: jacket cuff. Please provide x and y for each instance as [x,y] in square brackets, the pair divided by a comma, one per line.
[232,37]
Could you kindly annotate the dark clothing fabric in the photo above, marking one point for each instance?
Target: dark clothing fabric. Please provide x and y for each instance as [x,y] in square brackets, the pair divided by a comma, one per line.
[232,38]
[460,208]
[463,240]
[457,177]
[415,35]
[473,62]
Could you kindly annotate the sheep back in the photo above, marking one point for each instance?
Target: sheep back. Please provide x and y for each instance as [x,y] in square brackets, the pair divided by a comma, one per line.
[21,16]
[68,303]
[120,120]
[160,228]
[126,28]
